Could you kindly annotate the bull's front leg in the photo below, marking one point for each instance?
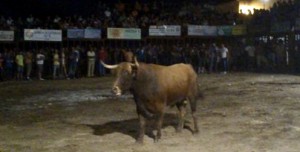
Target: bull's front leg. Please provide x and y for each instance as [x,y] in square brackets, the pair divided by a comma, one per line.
[159,122]
[142,122]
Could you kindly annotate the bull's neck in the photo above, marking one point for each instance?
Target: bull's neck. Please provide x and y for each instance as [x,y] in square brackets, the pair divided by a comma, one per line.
[144,75]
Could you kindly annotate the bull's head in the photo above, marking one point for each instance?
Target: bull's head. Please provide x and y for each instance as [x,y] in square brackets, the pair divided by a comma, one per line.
[126,73]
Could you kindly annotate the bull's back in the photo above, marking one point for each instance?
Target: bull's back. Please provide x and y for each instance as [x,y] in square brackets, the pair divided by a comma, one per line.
[178,82]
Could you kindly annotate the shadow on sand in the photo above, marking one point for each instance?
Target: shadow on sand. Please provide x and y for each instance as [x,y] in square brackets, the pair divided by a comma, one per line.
[131,127]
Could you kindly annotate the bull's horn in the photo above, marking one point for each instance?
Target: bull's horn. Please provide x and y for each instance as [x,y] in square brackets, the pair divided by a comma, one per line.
[108,66]
[136,62]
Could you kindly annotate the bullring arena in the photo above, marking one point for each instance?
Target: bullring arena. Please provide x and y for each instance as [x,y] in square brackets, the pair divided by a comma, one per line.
[57,96]
[240,112]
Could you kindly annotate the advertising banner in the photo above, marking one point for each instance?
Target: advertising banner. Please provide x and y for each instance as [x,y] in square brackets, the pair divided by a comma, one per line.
[92,33]
[165,30]
[239,30]
[42,35]
[280,27]
[224,30]
[7,35]
[202,30]
[124,33]
[75,33]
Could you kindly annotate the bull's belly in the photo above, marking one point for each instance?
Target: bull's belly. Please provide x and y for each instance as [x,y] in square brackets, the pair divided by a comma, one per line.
[158,104]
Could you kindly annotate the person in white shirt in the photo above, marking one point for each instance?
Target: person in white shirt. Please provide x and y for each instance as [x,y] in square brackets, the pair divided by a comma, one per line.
[224,57]
[40,64]
[91,62]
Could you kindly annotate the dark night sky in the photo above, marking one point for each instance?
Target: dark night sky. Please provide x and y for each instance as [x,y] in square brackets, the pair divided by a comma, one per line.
[46,7]
[57,7]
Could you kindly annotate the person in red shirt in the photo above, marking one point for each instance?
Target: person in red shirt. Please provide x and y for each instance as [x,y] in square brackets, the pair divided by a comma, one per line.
[102,56]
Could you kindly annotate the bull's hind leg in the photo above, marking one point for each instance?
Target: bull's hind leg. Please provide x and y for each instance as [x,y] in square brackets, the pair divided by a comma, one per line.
[181,113]
[193,104]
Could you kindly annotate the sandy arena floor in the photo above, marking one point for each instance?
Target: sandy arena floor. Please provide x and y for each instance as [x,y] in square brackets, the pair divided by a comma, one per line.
[241,112]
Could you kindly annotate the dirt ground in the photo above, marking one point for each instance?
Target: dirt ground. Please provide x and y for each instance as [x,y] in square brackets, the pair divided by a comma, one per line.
[241,112]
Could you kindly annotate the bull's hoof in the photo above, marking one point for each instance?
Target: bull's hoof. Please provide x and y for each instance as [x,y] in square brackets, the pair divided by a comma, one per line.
[139,141]
[156,140]
[179,130]
[195,132]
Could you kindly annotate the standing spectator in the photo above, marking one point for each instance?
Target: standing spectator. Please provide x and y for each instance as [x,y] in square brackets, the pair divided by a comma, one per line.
[128,55]
[20,65]
[91,62]
[141,55]
[194,58]
[102,57]
[250,49]
[55,63]
[224,57]
[1,67]
[212,57]
[63,67]
[9,64]
[28,63]
[74,59]
[40,58]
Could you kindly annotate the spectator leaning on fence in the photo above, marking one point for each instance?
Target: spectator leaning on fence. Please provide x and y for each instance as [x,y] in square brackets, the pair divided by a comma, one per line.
[20,65]
[9,64]
[40,58]
[91,62]
[28,63]
[74,59]
[56,64]
[102,57]
[63,67]
[224,57]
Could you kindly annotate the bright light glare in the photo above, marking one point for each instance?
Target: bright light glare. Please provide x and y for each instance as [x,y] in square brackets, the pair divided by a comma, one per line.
[246,7]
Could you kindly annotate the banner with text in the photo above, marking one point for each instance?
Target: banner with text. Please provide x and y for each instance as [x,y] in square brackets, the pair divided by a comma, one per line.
[42,35]
[124,33]
[202,30]
[92,33]
[75,33]
[165,30]
[239,30]
[225,30]
[280,27]
[6,35]
[84,33]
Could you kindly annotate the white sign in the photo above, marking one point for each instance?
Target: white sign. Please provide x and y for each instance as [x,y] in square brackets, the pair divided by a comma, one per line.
[165,30]
[6,35]
[42,35]
[202,30]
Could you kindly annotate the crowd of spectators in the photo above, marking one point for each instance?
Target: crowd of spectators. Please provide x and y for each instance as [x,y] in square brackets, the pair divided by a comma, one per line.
[83,61]
[140,14]
[281,11]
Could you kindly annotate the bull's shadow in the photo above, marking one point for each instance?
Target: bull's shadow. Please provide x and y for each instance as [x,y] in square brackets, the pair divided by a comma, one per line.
[131,127]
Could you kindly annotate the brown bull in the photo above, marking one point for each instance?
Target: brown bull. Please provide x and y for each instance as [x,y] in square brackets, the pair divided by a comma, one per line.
[155,87]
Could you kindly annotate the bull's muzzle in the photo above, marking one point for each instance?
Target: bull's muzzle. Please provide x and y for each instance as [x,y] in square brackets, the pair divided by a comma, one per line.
[117,91]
